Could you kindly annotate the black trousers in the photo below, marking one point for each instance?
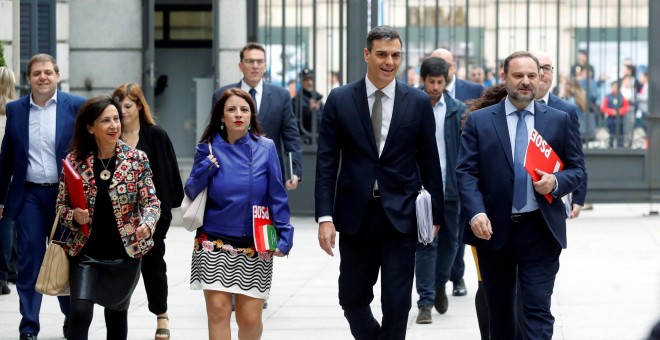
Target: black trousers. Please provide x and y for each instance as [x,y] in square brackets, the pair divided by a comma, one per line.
[528,262]
[154,268]
[377,246]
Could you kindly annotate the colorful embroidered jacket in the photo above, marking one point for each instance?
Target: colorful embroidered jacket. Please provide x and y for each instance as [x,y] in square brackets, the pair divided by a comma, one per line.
[132,194]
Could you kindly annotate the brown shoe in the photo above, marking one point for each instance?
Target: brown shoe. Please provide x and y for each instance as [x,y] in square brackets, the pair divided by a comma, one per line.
[162,333]
[424,316]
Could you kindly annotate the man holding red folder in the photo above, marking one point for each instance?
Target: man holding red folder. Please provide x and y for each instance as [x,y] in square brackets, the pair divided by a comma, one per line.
[38,135]
[517,233]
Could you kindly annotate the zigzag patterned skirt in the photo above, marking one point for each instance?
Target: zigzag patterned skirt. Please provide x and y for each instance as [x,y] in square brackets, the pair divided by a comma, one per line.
[219,265]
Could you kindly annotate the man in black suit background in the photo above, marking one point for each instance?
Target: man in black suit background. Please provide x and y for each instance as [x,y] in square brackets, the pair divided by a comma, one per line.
[274,109]
[383,131]
[464,91]
[545,96]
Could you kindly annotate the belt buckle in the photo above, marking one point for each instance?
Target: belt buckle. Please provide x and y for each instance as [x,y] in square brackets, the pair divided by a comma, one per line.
[515,218]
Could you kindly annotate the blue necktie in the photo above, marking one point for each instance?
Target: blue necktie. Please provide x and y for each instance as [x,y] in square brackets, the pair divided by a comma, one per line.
[253,93]
[520,180]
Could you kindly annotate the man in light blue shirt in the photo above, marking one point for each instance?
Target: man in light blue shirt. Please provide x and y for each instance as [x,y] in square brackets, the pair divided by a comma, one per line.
[37,137]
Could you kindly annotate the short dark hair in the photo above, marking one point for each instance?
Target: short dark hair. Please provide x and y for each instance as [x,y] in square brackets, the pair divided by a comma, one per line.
[382,33]
[218,111]
[42,58]
[252,46]
[519,54]
[434,67]
[83,142]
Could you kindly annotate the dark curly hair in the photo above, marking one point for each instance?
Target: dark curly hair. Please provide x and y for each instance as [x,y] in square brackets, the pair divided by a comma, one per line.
[83,142]
[218,111]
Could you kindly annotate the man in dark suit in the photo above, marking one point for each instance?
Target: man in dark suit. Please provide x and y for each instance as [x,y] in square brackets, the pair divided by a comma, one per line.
[460,89]
[274,110]
[433,261]
[464,91]
[37,137]
[545,96]
[517,234]
[369,171]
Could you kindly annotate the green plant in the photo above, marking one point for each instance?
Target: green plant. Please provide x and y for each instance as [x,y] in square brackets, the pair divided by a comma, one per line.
[2,55]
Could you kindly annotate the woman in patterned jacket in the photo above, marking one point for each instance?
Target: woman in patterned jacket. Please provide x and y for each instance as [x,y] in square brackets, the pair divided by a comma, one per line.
[108,239]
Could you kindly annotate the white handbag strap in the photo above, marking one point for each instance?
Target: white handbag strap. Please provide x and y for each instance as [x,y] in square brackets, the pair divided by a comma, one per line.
[55,223]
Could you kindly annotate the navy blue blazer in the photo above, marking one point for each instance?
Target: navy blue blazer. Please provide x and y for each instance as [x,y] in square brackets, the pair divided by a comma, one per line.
[15,145]
[485,171]
[580,194]
[348,164]
[277,121]
[465,90]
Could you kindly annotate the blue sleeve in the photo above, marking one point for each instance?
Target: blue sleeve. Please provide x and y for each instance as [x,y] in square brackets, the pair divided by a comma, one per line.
[202,171]
[279,201]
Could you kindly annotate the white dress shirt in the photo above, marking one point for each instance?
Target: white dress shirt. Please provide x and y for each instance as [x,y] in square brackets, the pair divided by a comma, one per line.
[388,107]
[42,160]
[260,90]
[440,112]
[512,121]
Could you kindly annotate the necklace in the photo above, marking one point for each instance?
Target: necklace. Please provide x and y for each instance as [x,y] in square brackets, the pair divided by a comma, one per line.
[105,174]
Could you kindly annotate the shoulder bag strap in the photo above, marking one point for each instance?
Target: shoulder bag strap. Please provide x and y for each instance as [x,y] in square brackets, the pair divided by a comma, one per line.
[55,223]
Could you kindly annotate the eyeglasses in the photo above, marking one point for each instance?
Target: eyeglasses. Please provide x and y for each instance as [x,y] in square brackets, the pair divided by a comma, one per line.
[254,61]
[547,68]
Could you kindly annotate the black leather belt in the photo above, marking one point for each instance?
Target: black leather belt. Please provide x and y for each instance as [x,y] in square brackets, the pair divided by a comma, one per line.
[375,194]
[515,218]
[40,184]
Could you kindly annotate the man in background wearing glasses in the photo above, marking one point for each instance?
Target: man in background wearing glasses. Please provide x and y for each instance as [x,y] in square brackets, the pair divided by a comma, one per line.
[544,96]
[274,109]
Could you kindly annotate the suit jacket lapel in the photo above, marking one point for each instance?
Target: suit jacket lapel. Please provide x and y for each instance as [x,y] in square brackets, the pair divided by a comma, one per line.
[62,107]
[23,124]
[502,130]
[400,104]
[265,102]
[540,118]
[364,111]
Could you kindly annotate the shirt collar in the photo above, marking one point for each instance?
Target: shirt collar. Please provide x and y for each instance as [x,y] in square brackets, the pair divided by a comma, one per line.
[52,99]
[450,86]
[510,109]
[387,90]
[442,101]
[546,98]
[259,88]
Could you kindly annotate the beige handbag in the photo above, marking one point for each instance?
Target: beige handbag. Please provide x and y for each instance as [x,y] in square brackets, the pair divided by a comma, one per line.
[192,211]
[53,276]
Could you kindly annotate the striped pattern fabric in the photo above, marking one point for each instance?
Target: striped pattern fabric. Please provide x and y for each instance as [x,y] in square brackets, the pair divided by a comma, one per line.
[219,266]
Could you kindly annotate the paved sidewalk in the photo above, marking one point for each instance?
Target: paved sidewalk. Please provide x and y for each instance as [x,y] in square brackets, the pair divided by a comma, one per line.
[608,287]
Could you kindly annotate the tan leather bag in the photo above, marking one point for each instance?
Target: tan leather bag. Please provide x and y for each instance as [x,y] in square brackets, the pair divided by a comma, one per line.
[53,276]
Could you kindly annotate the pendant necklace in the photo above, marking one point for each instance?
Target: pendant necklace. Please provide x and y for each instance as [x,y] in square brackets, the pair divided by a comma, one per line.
[105,174]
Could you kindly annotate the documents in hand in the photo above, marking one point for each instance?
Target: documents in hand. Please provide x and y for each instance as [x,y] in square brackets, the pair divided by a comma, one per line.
[265,235]
[74,186]
[424,217]
[541,156]
[568,204]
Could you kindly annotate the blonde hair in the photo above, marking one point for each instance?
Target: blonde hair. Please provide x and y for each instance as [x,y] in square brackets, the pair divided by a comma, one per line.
[7,88]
